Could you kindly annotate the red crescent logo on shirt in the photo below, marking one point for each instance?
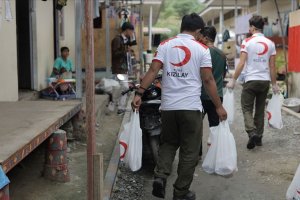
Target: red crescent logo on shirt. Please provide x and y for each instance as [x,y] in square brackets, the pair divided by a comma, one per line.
[266,48]
[186,58]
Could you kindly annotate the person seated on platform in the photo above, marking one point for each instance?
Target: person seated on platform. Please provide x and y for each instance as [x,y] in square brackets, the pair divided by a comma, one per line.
[62,64]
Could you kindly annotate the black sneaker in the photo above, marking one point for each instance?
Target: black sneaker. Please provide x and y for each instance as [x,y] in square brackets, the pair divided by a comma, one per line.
[252,141]
[259,142]
[159,187]
[189,196]
[121,112]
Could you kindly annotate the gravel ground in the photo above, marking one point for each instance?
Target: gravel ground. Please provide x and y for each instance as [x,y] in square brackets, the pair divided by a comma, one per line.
[130,185]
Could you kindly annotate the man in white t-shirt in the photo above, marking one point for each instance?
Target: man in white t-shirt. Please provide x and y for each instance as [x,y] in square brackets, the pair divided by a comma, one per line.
[186,63]
[258,57]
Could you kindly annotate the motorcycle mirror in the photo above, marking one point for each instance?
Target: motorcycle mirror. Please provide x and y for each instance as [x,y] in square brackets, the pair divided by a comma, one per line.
[121,77]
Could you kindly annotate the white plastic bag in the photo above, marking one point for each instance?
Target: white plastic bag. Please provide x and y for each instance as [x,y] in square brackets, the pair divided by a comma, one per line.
[209,163]
[293,192]
[108,85]
[123,141]
[131,144]
[209,139]
[226,158]
[221,157]
[274,111]
[228,103]
[111,106]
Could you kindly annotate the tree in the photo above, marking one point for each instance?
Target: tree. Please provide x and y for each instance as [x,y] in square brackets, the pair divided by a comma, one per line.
[172,11]
[184,7]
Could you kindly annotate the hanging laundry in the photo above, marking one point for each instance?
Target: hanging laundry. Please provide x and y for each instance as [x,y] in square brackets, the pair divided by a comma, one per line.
[8,15]
[111,12]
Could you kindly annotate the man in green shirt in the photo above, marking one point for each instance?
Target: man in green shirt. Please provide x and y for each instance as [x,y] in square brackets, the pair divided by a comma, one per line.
[218,58]
[62,64]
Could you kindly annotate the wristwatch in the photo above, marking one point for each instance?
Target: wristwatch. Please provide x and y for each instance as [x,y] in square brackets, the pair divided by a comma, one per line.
[138,93]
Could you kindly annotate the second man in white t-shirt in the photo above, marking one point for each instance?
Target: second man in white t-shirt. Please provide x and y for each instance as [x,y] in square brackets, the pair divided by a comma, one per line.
[257,62]
[186,63]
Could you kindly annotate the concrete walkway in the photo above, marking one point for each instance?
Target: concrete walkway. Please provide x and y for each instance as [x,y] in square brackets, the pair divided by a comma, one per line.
[264,173]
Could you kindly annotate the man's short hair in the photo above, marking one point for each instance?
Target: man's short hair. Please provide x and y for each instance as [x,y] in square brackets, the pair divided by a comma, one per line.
[64,49]
[209,32]
[257,21]
[191,22]
[127,26]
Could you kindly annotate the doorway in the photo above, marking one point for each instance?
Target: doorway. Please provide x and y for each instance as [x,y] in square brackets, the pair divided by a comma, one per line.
[24,45]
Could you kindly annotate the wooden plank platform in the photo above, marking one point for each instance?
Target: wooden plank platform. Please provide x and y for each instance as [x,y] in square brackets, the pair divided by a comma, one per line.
[24,125]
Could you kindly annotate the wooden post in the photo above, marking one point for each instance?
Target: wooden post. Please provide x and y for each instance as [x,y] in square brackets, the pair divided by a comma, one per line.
[107,38]
[78,46]
[90,97]
[141,40]
[98,176]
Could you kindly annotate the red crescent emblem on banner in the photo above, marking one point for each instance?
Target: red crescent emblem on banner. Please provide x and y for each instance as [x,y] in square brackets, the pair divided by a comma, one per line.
[186,58]
[266,48]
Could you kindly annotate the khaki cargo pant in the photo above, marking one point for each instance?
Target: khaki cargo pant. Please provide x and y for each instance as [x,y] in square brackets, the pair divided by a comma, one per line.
[254,94]
[180,129]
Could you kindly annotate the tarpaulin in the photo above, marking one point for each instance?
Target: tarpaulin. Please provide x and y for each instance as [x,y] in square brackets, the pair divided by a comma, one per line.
[3,178]
[294,49]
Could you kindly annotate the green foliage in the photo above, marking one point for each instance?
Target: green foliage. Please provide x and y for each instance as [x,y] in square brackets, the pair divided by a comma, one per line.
[280,62]
[185,7]
[168,12]
[172,11]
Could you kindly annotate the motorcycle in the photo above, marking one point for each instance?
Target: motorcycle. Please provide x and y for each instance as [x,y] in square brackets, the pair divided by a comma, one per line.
[150,116]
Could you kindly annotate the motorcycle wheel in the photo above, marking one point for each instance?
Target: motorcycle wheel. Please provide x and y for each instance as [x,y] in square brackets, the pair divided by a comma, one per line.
[154,144]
